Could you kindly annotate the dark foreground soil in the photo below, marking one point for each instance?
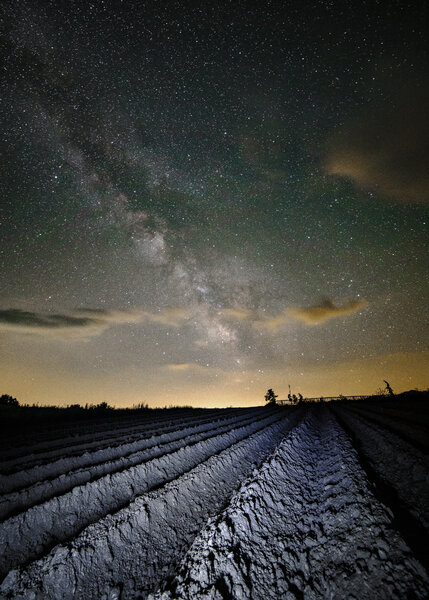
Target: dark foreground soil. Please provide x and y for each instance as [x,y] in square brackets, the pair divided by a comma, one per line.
[311,501]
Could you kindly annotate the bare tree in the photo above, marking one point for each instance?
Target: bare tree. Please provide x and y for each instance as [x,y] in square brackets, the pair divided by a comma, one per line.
[388,388]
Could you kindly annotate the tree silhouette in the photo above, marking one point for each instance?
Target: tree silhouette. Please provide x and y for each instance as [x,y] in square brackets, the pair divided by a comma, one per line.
[102,406]
[270,397]
[9,401]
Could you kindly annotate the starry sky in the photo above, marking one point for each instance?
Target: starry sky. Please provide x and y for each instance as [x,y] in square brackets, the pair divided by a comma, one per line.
[201,200]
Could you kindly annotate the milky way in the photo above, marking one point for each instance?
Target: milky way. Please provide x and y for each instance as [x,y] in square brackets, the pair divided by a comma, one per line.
[201,202]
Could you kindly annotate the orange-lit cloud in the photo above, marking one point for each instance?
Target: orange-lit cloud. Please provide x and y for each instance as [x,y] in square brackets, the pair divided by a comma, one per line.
[83,323]
[237,313]
[386,150]
[201,343]
[273,323]
[255,319]
[179,366]
[312,315]
[315,315]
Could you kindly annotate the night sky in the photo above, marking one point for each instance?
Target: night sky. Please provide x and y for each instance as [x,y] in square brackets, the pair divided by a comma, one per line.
[203,200]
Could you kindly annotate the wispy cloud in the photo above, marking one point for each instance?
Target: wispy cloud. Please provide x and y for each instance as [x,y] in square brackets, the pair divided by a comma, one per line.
[84,322]
[319,313]
[237,313]
[274,323]
[386,149]
[16,318]
[312,315]
[254,319]
[179,366]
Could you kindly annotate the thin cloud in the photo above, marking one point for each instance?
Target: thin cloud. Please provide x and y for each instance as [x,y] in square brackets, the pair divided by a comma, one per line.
[315,315]
[244,315]
[173,317]
[386,149]
[179,366]
[237,313]
[273,323]
[312,315]
[194,368]
[84,322]
[201,343]
[15,317]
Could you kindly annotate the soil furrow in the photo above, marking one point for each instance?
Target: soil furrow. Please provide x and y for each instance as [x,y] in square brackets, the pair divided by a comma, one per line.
[86,455]
[85,430]
[34,458]
[105,462]
[34,532]
[411,433]
[306,525]
[400,475]
[131,551]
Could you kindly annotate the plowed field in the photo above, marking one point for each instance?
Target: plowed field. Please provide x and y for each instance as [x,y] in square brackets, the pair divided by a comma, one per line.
[313,501]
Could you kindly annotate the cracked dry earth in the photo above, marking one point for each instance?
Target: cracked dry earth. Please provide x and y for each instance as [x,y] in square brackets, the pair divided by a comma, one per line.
[297,502]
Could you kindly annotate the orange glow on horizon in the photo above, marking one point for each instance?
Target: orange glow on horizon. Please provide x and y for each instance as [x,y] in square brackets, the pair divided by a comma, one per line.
[33,385]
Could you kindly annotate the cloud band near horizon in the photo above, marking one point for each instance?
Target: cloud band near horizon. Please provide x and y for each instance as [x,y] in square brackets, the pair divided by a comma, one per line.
[83,322]
[319,313]
[311,315]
